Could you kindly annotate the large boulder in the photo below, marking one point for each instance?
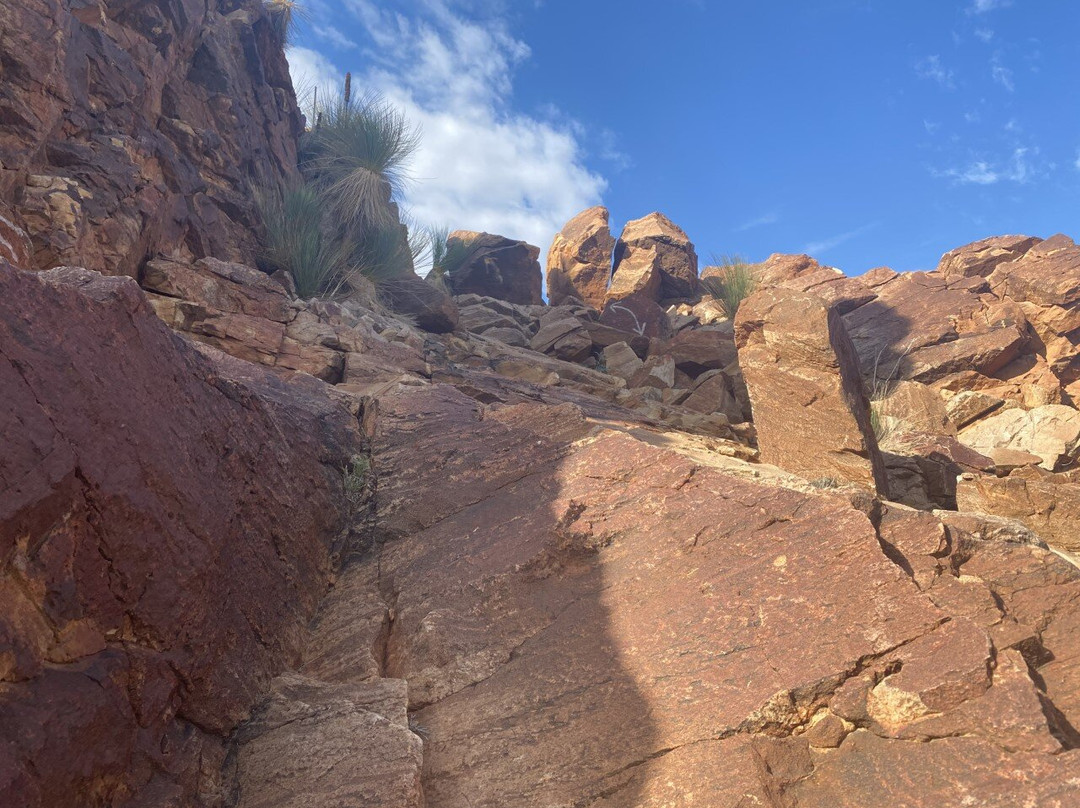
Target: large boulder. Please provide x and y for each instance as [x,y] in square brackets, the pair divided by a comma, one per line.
[1050,433]
[496,266]
[631,304]
[579,261]
[810,408]
[169,521]
[980,258]
[147,130]
[675,255]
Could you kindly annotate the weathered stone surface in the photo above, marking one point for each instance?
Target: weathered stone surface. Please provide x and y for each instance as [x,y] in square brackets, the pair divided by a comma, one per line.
[1051,433]
[621,361]
[579,261]
[168,519]
[1047,503]
[980,258]
[564,337]
[15,246]
[714,392]
[656,371]
[1048,274]
[133,129]
[301,748]
[636,315]
[923,468]
[922,328]
[569,584]
[429,307]
[696,350]
[969,406]
[675,256]
[496,266]
[914,407]
[810,408]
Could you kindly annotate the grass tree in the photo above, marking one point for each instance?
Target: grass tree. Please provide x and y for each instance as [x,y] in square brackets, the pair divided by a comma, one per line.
[731,283]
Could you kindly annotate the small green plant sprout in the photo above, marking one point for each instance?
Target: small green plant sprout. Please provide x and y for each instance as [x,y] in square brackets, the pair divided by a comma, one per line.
[730,280]
[355,477]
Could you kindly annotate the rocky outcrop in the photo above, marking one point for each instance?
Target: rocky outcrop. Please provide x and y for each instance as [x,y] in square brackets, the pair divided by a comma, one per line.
[247,314]
[675,258]
[169,522]
[131,129]
[495,266]
[642,605]
[810,408]
[980,258]
[579,261]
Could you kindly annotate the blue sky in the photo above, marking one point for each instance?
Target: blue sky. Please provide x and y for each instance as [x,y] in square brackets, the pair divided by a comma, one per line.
[865,132]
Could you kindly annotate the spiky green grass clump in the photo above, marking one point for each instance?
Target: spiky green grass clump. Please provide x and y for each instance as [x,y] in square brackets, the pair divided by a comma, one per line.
[731,284]
[296,241]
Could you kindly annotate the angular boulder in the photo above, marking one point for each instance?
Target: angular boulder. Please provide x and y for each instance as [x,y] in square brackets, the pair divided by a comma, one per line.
[810,409]
[579,261]
[675,255]
[496,266]
[980,258]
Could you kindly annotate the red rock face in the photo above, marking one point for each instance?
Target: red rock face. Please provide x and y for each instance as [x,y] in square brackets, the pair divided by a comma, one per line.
[133,128]
[579,261]
[809,404]
[167,520]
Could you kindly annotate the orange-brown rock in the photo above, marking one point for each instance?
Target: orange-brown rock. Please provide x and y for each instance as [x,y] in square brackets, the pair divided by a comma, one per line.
[579,261]
[496,266]
[809,405]
[980,258]
[136,128]
[675,255]
[168,523]
[1047,503]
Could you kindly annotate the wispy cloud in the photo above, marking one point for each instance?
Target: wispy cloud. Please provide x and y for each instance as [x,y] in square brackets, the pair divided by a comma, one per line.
[334,37]
[816,248]
[983,6]
[449,65]
[1021,167]
[931,127]
[1002,75]
[984,34]
[1077,163]
[760,221]
[932,68]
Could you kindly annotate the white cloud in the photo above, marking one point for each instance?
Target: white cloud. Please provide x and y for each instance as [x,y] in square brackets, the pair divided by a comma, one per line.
[334,37]
[1021,167]
[1077,163]
[983,6]
[1002,75]
[760,221]
[310,69]
[815,248]
[480,165]
[932,68]
[984,34]
[931,127]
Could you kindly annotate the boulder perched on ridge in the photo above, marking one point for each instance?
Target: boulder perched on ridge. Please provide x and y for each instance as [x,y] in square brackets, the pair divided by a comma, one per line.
[579,261]
[496,266]
[675,255]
